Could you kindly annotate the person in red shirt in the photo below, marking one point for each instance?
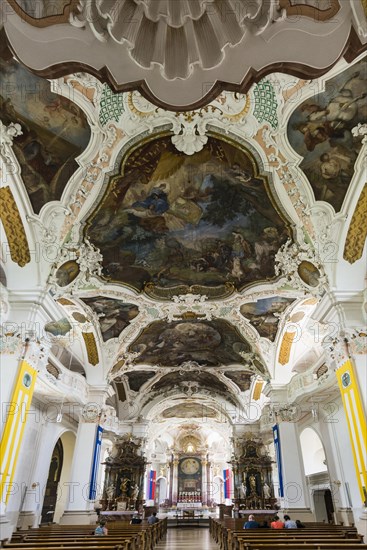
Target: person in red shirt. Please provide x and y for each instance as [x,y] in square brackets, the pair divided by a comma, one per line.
[276,523]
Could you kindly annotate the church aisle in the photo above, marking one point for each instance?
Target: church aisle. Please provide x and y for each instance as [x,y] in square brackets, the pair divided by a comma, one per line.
[186,539]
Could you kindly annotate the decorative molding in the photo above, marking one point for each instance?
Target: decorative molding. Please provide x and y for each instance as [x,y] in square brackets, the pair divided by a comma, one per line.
[307,8]
[44,20]
[350,48]
[302,267]
[179,36]
[357,231]
[14,228]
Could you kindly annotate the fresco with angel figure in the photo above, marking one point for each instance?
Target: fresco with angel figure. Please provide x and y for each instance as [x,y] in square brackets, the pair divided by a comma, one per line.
[321,131]
[172,219]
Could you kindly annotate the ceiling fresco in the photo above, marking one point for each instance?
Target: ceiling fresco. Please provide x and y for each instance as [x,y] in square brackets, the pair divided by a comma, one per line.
[265,314]
[138,378]
[190,410]
[114,315]
[54,131]
[240,378]
[209,343]
[203,379]
[320,130]
[172,219]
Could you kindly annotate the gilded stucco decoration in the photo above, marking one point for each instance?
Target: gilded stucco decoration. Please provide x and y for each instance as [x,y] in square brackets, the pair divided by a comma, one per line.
[14,228]
[91,347]
[285,347]
[357,232]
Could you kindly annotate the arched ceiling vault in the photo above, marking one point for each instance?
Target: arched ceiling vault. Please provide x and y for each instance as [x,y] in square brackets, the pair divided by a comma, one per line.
[190,254]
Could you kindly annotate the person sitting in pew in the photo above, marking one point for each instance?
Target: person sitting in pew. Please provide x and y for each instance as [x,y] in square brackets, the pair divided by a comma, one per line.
[289,523]
[276,523]
[101,529]
[135,520]
[299,524]
[153,518]
[265,525]
[251,523]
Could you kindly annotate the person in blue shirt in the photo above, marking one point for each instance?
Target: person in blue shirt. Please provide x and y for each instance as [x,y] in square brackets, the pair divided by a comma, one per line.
[251,523]
[153,518]
[289,523]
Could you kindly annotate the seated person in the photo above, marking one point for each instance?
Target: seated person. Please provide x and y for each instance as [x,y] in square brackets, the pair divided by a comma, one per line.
[101,529]
[251,523]
[276,523]
[289,523]
[153,518]
[299,524]
[135,520]
[265,525]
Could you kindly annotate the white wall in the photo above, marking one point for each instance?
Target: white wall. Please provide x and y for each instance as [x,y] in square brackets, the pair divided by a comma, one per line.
[312,452]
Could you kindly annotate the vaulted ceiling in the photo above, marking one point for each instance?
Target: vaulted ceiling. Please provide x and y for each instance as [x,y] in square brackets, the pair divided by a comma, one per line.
[187,252]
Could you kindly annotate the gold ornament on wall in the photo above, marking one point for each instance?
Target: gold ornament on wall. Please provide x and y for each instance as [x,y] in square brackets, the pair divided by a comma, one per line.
[14,228]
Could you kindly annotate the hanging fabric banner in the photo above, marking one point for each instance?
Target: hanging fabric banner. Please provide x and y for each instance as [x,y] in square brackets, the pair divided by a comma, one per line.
[356,419]
[14,428]
[227,483]
[95,464]
[152,484]
[279,458]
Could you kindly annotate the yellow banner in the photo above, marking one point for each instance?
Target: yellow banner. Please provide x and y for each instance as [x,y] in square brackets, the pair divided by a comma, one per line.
[356,418]
[14,428]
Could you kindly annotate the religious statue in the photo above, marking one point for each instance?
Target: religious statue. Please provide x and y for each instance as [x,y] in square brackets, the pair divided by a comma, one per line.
[134,492]
[252,482]
[266,491]
[110,491]
[123,486]
[243,490]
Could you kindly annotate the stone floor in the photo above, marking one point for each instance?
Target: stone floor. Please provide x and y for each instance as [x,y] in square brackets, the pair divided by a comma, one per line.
[187,539]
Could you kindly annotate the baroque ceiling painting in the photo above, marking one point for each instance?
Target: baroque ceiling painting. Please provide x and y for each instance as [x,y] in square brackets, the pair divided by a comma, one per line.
[138,378]
[113,315]
[54,131]
[320,130]
[172,219]
[266,313]
[199,378]
[190,410]
[240,378]
[209,343]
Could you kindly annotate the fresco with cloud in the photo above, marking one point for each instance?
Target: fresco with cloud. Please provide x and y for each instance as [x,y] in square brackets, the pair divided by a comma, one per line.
[171,219]
[320,130]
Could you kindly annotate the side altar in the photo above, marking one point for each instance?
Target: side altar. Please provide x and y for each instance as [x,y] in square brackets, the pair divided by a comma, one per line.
[124,475]
[252,469]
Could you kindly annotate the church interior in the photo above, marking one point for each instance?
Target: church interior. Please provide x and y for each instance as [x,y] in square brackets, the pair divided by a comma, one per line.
[183,270]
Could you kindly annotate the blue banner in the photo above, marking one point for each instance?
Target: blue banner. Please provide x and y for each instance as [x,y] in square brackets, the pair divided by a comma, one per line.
[95,464]
[279,458]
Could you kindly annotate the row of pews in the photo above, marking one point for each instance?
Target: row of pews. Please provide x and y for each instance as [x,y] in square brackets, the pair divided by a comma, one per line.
[230,535]
[121,536]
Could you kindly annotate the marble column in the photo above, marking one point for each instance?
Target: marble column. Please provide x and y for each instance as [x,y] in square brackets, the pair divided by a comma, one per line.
[170,481]
[79,509]
[175,480]
[204,480]
[296,495]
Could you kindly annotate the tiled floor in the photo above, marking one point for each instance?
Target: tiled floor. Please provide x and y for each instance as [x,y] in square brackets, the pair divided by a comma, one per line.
[187,539]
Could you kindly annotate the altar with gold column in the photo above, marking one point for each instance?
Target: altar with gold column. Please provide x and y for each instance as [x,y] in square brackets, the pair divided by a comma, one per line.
[124,475]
